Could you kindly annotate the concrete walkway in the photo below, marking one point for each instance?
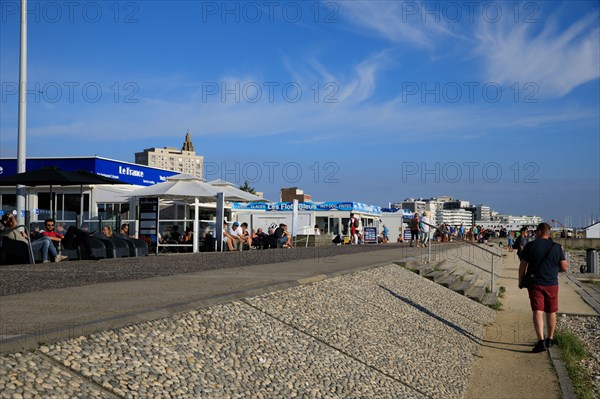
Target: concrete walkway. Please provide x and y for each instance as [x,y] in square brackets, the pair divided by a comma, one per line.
[52,315]
[507,368]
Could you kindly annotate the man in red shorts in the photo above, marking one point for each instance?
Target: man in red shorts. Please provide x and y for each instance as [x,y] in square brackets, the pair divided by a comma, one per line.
[543,259]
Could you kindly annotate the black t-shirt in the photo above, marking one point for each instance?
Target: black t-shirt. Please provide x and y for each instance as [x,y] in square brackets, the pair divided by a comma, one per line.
[279,232]
[522,241]
[547,272]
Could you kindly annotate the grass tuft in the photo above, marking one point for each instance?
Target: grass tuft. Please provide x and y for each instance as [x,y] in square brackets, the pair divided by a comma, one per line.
[502,291]
[572,352]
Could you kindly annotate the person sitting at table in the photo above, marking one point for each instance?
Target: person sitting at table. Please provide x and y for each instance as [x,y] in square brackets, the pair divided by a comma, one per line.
[175,235]
[236,233]
[125,230]
[282,236]
[230,236]
[245,235]
[107,232]
[261,240]
[10,232]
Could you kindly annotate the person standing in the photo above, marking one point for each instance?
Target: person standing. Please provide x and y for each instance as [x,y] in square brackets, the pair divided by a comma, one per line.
[414,229]
[353,228]
[521,241]
[425,229]
[511,241]
[543,260]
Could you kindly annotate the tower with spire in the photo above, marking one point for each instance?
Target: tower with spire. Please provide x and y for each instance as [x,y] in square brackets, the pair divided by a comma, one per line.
[187,144]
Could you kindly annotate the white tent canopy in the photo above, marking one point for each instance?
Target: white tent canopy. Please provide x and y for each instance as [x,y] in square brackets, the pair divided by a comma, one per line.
[182,187]
[232,193]
[188,188]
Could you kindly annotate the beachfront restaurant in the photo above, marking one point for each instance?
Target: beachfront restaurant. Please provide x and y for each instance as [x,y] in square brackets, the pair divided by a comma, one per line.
[332,218]
[82,202]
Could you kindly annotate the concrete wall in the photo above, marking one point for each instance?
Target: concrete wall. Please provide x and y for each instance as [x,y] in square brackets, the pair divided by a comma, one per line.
[567,243]
[582,243]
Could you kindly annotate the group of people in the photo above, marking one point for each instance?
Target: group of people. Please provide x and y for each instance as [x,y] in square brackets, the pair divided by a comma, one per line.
[420,226]
[238,237]
[422,230]
[48,240]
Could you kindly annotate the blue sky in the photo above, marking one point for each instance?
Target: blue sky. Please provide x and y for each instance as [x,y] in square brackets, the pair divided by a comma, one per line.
[492,102]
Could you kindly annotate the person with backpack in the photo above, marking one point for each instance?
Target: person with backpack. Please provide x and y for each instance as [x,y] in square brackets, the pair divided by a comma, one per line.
[353,228]
[521,241]
[414,230]
[541,261]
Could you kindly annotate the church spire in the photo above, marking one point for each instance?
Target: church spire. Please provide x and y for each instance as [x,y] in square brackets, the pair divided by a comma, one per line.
[187,144]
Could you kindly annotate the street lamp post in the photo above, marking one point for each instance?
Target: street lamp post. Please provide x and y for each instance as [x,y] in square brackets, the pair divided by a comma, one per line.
[21,152]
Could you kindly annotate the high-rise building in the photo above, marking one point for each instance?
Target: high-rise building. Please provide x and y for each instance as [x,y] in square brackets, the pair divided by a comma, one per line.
[483,213]
[170,158]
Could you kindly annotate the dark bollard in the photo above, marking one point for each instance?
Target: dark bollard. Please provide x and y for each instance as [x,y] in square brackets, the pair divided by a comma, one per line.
[591,260]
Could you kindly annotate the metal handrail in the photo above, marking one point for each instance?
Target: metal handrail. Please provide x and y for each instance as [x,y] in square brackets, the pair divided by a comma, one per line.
[463,240]
[468,242]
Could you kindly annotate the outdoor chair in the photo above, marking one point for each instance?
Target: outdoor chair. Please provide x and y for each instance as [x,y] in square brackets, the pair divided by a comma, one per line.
[136,246]
[14,252]
[98,250]
[115,247]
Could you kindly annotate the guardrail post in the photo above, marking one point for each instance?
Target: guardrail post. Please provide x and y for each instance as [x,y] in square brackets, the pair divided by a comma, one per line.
[493,288]
[428,248]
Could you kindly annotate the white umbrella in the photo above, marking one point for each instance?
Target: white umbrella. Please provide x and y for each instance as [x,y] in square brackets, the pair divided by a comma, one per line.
[179,187]
[232,193]
[182,187]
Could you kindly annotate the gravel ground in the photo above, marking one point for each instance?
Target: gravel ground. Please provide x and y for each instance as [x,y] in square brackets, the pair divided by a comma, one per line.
[588,330]
[15,279]
[29,375]
[381,333]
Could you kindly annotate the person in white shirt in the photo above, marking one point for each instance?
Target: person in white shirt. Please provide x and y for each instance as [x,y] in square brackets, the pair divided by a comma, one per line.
[236,234]
[425,229]
[317,230]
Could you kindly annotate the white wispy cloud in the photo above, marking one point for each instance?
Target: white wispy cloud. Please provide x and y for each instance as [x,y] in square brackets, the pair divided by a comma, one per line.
[556,60]
[397,21]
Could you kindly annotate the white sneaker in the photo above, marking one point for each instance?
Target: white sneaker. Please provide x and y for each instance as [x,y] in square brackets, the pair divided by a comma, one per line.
[46,261]
[59,258]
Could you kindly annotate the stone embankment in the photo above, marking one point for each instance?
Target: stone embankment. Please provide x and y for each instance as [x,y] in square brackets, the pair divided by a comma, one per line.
[380,333]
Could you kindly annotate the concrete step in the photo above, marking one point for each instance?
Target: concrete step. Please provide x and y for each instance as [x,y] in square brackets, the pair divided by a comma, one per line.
[436,276]
[463,286]
[448,281]
[410,265]
[447,267]
[476,293]
[489,299]
[424,269]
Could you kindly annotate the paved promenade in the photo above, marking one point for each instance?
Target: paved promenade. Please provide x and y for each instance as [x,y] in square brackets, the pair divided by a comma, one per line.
[345,326]
[506,367]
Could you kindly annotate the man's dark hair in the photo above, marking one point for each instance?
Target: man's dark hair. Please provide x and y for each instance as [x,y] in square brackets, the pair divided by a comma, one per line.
[49,220]
[244,225]
[544,228]
[124,225]
[524,228]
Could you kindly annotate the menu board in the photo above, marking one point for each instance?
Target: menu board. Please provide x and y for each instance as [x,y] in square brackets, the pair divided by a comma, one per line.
[148,217]
[370,234]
